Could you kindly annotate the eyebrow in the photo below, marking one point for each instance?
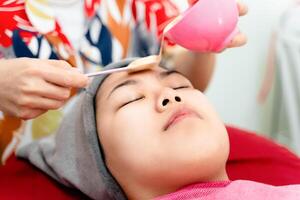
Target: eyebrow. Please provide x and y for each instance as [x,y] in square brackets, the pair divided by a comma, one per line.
[125,83]
[161,75]
[167,73]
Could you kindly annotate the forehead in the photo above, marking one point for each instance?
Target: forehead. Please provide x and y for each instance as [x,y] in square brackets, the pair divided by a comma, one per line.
[116,78]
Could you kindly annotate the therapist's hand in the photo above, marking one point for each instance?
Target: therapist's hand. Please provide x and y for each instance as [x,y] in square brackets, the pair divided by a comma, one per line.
[30,87]
[240,39]
[188,62]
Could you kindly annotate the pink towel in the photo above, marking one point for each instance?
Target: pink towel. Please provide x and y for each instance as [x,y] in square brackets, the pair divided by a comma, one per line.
[234,190]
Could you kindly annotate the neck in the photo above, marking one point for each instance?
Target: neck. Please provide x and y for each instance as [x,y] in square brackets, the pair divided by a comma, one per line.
[135,191]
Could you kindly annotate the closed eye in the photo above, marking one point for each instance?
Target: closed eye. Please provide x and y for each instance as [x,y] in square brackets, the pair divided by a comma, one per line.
[131,101]
[181,87]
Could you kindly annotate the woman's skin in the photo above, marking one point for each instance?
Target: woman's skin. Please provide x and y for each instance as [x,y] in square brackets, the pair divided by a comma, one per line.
[159,133]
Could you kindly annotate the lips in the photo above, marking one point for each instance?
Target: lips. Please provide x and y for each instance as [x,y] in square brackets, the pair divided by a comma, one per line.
[179,115]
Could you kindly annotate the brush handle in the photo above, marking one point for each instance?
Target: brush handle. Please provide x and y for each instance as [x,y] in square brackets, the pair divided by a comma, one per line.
[130,67]
[109,71]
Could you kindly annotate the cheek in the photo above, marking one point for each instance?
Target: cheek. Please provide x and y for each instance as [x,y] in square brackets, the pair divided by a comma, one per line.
[137,125]
[134,119]
[202,104]
[214,135]
[133,133]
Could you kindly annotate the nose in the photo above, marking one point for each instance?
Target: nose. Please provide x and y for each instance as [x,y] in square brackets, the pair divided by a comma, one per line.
[167,98]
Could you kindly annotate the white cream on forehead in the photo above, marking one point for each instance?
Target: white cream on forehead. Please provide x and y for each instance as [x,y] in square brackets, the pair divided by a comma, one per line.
[144,63]
[153,60]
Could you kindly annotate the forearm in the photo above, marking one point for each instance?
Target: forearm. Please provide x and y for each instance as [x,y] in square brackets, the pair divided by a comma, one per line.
[197,67]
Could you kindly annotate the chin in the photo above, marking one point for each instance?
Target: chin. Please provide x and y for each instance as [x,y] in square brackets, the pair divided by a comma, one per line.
[197,143]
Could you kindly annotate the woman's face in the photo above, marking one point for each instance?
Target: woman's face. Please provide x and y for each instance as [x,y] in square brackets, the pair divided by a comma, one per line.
[156,129]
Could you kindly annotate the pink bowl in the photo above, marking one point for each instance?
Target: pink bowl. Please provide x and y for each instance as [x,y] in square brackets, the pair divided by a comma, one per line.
[208,26]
